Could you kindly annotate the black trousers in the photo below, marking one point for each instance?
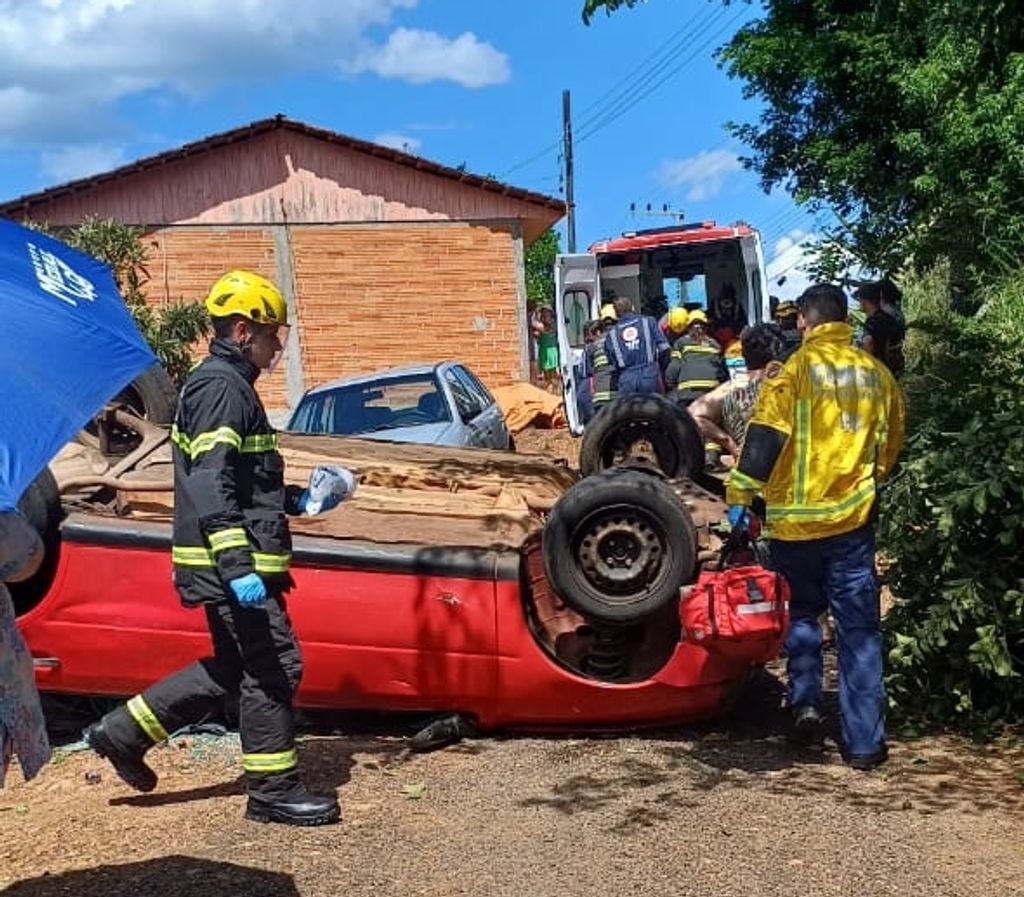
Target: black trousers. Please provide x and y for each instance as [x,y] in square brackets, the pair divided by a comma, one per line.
[256,656]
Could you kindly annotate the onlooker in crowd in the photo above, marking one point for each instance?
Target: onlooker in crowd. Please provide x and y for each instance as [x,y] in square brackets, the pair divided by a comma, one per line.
[883,334]
[547,346]
[723,413]
[22,726]
[787,316]
[727,317]
[696,364]
[638,349]
[582,375]
[825,431]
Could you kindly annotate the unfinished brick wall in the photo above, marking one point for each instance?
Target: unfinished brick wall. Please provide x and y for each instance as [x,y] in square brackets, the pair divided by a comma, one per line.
[368,297]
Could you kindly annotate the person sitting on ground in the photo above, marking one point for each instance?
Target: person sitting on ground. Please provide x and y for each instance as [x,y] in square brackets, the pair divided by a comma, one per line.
[883,335]
[723,413]
[787,316]
[696,364]
[638,349]
[726,315]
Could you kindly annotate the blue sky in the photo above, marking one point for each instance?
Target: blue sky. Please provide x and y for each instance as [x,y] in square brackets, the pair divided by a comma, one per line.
[86,85]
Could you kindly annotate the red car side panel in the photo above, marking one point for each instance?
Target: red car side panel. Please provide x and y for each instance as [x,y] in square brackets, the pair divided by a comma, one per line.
[114,625]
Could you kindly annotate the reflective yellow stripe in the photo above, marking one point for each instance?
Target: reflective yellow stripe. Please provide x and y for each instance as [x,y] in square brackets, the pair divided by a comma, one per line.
[142,714]
[205,442]
[265,442]
[801,442]
[262,562]
[282,761]
[739,480]
[698,350]
[813,513]
[697,384]
[234,537]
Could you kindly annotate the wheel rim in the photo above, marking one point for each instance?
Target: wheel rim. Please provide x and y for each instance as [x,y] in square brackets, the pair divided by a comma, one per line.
[640,443]
[621,552]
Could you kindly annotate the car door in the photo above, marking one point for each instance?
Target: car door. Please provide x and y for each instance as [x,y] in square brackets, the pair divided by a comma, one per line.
[577,289]
[491,420]
[758,309]
[468,409]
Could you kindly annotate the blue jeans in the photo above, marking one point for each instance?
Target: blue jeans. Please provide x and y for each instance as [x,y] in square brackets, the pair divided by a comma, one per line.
[837,574]
[640,380]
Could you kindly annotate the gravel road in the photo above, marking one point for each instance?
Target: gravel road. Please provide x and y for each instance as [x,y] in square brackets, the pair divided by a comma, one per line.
[724,809]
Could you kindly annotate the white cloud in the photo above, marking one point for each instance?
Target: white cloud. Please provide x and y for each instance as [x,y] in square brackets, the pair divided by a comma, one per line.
[421,56]
[81,160]
[702,176]
[64,64]
[791,254]
[398,141]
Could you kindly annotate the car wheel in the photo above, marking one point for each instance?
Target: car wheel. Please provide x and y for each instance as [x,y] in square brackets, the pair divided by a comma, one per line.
[618,546]
[152,396]
[644,430]
[40,506]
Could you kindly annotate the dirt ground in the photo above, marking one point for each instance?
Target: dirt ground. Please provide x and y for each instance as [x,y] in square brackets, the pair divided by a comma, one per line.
[723,809]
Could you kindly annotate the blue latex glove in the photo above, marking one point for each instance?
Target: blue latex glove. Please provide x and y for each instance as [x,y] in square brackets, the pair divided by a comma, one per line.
[739,518]
[249,590]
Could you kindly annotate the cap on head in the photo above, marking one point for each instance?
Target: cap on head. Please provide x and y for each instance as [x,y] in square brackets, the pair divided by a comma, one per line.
[608,312]
[697,316]
[249,295]
[786,309]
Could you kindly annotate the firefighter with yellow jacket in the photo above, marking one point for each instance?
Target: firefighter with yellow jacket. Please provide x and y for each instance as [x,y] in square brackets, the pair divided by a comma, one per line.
[825,431]
[231,555]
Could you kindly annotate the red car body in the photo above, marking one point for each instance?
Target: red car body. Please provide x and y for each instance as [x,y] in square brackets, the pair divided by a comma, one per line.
[381,626]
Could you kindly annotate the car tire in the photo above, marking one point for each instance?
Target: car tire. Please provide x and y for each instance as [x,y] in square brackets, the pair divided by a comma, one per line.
[152,395]
[677,449]
[40,506]
[618,546]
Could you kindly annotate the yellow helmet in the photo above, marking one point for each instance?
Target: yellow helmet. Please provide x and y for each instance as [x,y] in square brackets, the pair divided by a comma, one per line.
[249,295]
[608,312]
[678,318]
[697,316]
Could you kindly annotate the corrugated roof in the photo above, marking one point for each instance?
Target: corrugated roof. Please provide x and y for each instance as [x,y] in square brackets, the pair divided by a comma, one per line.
[22,204]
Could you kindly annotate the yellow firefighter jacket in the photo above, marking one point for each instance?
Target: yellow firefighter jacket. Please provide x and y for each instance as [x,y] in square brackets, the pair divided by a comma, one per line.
[825,431]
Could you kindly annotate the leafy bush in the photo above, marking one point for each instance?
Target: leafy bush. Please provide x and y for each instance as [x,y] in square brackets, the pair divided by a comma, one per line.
[170,329]
[953,515]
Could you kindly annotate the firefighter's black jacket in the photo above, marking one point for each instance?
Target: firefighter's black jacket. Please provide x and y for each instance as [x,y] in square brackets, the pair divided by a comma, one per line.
[229,492]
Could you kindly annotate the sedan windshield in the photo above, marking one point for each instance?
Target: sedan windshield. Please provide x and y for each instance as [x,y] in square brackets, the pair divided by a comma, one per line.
[368,407]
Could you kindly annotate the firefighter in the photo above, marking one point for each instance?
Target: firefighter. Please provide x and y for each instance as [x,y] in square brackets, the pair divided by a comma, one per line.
[637,348]
[230,554]
[697,365]
[602,372]
[674,323]
[825,430]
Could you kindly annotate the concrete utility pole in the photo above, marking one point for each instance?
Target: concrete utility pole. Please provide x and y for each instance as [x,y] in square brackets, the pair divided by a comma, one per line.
[570,226]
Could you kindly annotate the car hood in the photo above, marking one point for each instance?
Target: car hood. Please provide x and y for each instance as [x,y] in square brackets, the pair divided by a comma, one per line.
[445,433]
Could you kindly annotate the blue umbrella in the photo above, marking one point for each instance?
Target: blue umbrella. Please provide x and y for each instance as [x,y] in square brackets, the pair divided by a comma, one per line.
[67,345]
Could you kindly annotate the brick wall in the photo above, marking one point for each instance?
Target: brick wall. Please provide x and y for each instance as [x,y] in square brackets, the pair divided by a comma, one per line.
[367,296]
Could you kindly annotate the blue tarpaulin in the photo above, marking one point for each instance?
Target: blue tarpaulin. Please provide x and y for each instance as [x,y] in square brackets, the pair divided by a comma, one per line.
[67,345]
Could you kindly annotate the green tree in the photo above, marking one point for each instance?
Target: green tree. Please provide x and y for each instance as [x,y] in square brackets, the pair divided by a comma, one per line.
[540,268]
[170,329]
[592,6]
[903,117]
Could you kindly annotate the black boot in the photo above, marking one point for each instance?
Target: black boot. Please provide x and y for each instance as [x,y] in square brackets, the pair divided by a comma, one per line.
[117,738]
[284,799]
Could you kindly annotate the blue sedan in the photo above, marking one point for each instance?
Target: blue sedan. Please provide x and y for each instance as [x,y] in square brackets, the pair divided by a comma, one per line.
[434,404]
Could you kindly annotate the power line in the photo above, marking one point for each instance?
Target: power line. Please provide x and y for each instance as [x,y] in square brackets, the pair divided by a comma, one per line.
[632,102]
[636,78]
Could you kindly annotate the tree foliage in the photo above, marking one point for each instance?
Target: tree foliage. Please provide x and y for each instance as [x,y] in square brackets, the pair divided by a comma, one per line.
[590,7]
[540,268]
[953,515]
[170,329]
[904,117]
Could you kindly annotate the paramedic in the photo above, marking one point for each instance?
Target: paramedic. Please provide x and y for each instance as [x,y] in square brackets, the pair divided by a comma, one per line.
[824,432]
[637,348]
[230,554]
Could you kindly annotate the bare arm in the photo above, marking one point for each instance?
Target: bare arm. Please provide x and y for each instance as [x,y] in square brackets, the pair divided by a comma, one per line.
[707,412]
